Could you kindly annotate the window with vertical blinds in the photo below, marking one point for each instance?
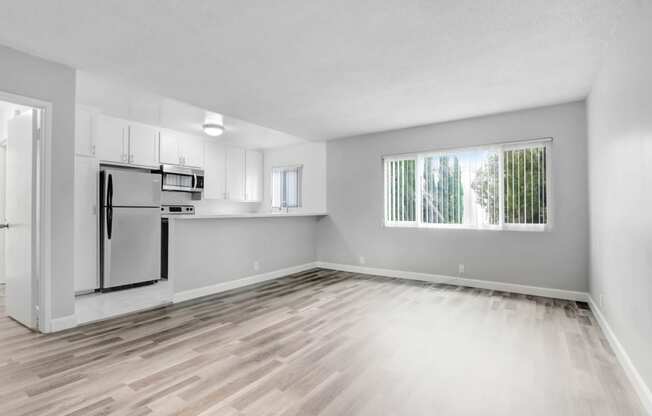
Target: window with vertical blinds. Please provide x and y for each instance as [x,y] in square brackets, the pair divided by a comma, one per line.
[400,191]
[493,187]
[286,187]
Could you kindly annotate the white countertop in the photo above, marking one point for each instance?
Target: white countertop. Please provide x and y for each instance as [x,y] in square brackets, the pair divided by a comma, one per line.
[249,215]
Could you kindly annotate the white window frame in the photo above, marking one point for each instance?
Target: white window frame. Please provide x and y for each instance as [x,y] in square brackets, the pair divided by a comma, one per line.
[285,168]
[501,148]
[549,203]
[417,207]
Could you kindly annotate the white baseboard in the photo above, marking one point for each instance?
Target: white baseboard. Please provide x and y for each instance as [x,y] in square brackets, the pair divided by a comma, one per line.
[634,376]
[235,284]
[59,324]
[462,281]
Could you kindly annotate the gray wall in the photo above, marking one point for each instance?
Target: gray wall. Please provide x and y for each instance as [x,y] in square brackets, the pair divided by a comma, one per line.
[620,173]
[215,251]
[556,259]
[37,78]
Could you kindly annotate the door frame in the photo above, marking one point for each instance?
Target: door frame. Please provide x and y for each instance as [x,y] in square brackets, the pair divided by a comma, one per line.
[42,205]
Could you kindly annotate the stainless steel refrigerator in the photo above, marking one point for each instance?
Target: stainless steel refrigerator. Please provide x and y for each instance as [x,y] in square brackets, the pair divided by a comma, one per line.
[130,226]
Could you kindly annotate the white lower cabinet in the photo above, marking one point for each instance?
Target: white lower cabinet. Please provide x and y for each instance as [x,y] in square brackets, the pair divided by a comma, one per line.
[86,224]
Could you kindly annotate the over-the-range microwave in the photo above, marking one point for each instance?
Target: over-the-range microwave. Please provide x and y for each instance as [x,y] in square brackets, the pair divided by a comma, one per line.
[182,179]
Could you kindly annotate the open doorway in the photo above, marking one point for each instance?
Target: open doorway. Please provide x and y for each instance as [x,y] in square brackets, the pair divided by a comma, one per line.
[21,129]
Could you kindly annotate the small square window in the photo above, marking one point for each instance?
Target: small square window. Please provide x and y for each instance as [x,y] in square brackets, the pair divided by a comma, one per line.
[286,187]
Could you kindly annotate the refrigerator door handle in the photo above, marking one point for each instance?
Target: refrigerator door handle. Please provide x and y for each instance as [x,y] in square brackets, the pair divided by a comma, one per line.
[109,191]
[109,222]
[109,207]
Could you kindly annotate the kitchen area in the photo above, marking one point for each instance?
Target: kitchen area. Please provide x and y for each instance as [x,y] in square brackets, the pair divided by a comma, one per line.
[174,202]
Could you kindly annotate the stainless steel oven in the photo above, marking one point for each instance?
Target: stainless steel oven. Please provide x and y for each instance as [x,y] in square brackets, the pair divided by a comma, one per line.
[182,179]
[166,211]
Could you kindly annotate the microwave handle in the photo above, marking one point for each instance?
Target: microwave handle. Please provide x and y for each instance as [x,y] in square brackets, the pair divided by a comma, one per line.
[194,180]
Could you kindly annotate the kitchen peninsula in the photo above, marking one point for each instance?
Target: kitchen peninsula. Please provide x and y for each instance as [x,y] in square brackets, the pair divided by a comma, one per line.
[212,253]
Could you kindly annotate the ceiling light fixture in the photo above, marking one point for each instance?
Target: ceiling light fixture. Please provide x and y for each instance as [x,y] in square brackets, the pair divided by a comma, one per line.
[213,129]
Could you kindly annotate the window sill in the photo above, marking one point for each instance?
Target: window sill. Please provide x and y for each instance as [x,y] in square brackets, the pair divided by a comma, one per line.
[506,227]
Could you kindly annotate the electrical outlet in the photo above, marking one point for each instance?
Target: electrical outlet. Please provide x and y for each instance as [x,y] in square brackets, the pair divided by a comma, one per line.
[460,269]
[601,300]
[256,265]
[362,260]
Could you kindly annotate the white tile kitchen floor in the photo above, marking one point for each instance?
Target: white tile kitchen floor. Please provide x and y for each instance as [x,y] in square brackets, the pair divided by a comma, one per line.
[98,306]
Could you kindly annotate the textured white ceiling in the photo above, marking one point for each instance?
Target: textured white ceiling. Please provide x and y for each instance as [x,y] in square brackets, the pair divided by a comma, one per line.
[324,69]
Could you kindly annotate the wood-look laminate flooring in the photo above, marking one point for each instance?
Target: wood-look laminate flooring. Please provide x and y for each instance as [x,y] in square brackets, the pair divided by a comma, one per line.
[323,343]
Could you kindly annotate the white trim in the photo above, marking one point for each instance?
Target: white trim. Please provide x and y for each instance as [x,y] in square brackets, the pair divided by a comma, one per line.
[441,150]
[462,281]
[43,275]
[235,284]
[60,324]
[499,149]
[642,389]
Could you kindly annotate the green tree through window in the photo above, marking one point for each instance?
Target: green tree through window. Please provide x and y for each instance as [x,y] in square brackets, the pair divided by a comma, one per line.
[524,186]
[443,192]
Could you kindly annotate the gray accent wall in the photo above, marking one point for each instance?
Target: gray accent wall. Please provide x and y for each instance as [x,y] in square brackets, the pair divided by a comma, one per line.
[555,259]
[33,77]
[620,179]
[212,251]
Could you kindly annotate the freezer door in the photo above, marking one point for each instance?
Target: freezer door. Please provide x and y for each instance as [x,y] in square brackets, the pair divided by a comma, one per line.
[131,187]
[131,246]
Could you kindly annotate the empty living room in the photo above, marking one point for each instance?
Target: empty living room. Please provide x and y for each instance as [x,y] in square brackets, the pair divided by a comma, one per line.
[326,208]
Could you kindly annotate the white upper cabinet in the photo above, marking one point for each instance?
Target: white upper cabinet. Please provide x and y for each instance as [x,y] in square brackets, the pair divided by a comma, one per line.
[181,149]
[253,175]
[111,139]
[121,141]
[169,148]
[143,145]
[235,173]
[232,173]
[191,149]
[214,171]
[84,139]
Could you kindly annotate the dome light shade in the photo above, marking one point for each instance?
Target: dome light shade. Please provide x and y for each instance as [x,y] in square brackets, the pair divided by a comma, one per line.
[213,129]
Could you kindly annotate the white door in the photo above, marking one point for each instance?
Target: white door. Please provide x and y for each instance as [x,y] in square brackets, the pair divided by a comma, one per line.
[20,214]
[111,139]
[169,148]
[84,132]
[143,145]
[86,222]
[254,175]
[214,171]
[235,173]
